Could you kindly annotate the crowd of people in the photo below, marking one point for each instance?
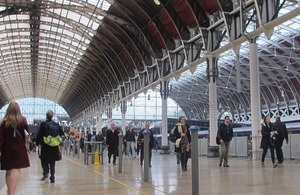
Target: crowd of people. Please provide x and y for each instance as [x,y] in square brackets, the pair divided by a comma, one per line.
[14,150]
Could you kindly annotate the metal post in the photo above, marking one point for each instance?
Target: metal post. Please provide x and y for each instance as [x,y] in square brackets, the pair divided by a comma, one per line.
[213,149]
[120,151]
[146,155]
[255,99]
[109,117]
[164,91]
[195,160]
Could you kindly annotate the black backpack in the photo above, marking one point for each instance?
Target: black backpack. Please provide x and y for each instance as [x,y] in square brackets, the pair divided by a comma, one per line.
[51,128]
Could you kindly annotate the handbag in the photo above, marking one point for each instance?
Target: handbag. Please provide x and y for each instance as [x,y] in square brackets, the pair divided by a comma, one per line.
[218,140]
[59,156]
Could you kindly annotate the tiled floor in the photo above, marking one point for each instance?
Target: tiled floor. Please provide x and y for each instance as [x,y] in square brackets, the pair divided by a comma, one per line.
[243,177]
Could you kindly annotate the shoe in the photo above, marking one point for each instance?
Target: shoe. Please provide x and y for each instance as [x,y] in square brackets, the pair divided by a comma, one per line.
[262,164]
[226,165]
[44,177]
[141,164]
[275,165]
[220,165]
[134,157]
[114,163]
[52,181]
[150,166]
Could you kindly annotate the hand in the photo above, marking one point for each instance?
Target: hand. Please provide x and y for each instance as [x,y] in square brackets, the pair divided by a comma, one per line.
[221,141]
[272,133]
[276,132]
[182,134]
[287,141]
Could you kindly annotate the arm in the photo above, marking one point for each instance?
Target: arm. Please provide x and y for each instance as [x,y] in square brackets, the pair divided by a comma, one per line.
[219,133]
[40,135]
[286,135]
[264,131]
[1,136]
[189,135]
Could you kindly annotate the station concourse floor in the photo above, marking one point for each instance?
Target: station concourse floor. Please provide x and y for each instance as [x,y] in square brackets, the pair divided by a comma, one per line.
[243,177]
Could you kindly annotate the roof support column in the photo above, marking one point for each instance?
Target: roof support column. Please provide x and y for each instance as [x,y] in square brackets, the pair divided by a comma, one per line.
[123,111]
[255,98]
[109,117]
[164,92]
[99,123]
[213,148]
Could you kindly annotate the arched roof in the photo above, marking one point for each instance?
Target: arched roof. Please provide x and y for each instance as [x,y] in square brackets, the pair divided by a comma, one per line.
[88,54]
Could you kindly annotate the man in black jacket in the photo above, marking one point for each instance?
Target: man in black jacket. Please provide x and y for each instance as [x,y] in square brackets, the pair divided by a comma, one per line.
[151,144]
[225,134]
[49,154]
[112,142]
[280,134]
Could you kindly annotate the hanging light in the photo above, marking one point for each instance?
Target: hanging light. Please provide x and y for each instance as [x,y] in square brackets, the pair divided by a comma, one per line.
[157,2]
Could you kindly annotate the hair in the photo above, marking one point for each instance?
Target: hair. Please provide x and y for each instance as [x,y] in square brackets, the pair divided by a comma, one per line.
[226,117]
[277,118]
[13,117]
[179,119]
[49,114]
[265,118]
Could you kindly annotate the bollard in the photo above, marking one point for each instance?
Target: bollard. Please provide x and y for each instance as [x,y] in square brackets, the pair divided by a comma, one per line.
[195,160]
[96,159]
[146,155]
[120,151]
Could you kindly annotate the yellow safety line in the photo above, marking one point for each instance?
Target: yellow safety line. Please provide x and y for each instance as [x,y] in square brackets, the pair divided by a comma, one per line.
[120,182]
[75,162]
[110,178]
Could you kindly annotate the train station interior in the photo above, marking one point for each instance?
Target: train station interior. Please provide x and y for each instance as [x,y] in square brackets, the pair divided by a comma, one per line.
[151,62]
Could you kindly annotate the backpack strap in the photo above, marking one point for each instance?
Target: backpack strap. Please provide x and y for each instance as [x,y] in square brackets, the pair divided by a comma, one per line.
[17,132]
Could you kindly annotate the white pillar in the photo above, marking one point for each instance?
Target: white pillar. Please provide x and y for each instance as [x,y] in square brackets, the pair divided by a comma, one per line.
[164,117]
[213,110]
[123,111]
[99,123]
[109,117]
[255,98]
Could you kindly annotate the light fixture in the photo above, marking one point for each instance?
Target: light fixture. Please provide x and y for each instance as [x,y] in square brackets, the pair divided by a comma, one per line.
[157,2]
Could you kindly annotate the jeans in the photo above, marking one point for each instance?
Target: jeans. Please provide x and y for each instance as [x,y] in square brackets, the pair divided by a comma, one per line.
[45,166]
[130,145]
[184,159]
[224,152]
[265,150]
[178,157]
[114,152]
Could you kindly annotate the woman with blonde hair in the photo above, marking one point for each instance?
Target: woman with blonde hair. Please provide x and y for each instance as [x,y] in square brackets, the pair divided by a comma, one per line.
[12,146]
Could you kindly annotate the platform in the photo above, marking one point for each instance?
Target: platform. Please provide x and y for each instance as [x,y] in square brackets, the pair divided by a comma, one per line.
[243,177]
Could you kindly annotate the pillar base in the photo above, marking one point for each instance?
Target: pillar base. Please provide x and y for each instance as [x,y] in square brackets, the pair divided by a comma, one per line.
[213,151]
[164,150]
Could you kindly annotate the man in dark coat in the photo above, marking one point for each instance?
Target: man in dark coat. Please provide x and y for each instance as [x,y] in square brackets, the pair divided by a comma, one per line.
[225,134]
[89,138]
[280,134]
[151,144]
[112,142]
[49,154]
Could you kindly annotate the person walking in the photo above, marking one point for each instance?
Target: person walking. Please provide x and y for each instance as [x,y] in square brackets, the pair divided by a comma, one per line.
[112,142]
[225,134]
[151,144]
[14,154]
[130,140]
[136,144]
[280,134]
[267,140]
[100,138]
[48,139]
[181,130]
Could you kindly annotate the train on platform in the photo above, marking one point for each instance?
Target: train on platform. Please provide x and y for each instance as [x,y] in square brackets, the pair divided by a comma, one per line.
[292,128]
